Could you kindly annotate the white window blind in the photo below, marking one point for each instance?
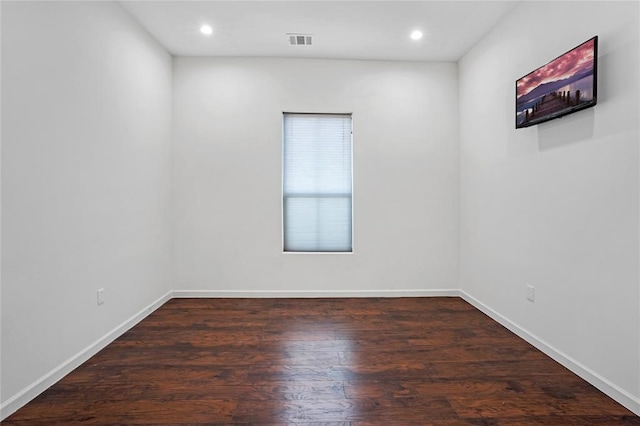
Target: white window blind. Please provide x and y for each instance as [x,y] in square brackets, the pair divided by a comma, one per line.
[317,183]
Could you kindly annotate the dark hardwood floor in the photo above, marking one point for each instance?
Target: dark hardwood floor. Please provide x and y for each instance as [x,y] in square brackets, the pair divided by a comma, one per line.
[321,361]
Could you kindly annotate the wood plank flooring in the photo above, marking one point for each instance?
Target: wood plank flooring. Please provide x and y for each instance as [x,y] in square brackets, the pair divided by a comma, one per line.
[387,361]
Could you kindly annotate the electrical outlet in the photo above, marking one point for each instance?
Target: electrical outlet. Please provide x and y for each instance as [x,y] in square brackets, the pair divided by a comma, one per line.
[531,293]
[100,296]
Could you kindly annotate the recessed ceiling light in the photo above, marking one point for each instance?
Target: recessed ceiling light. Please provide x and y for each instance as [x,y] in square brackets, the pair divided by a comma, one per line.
[416,35]
[206,30]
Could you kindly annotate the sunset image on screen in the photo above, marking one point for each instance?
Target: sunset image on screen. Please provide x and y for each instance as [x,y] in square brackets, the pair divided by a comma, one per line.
[563,84]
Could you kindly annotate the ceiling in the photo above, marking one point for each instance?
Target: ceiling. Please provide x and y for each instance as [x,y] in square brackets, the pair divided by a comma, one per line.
[368,30]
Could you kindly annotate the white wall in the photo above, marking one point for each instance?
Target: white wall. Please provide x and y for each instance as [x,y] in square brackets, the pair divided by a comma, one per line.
[86,113]
[0,216]
[556,205]
[227,174]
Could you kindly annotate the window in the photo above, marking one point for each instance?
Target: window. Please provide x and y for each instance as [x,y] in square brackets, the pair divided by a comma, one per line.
[316,195]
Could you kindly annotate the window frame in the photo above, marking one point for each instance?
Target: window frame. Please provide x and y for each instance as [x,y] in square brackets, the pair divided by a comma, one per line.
[282,195]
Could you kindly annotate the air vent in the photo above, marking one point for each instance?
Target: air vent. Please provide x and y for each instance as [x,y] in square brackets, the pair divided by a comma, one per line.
[300,39]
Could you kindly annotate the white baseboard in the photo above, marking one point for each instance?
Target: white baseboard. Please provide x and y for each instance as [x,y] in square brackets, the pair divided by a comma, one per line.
[618,394]
[314,294]
[16,402]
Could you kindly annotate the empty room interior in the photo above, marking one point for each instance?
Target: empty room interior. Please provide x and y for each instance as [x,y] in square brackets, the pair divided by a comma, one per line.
[320,212]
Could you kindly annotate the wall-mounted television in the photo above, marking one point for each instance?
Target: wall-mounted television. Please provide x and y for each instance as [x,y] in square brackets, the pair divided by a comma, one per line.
[563,86]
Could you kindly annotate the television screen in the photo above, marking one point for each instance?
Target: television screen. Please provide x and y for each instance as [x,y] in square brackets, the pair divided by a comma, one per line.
[564,85]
